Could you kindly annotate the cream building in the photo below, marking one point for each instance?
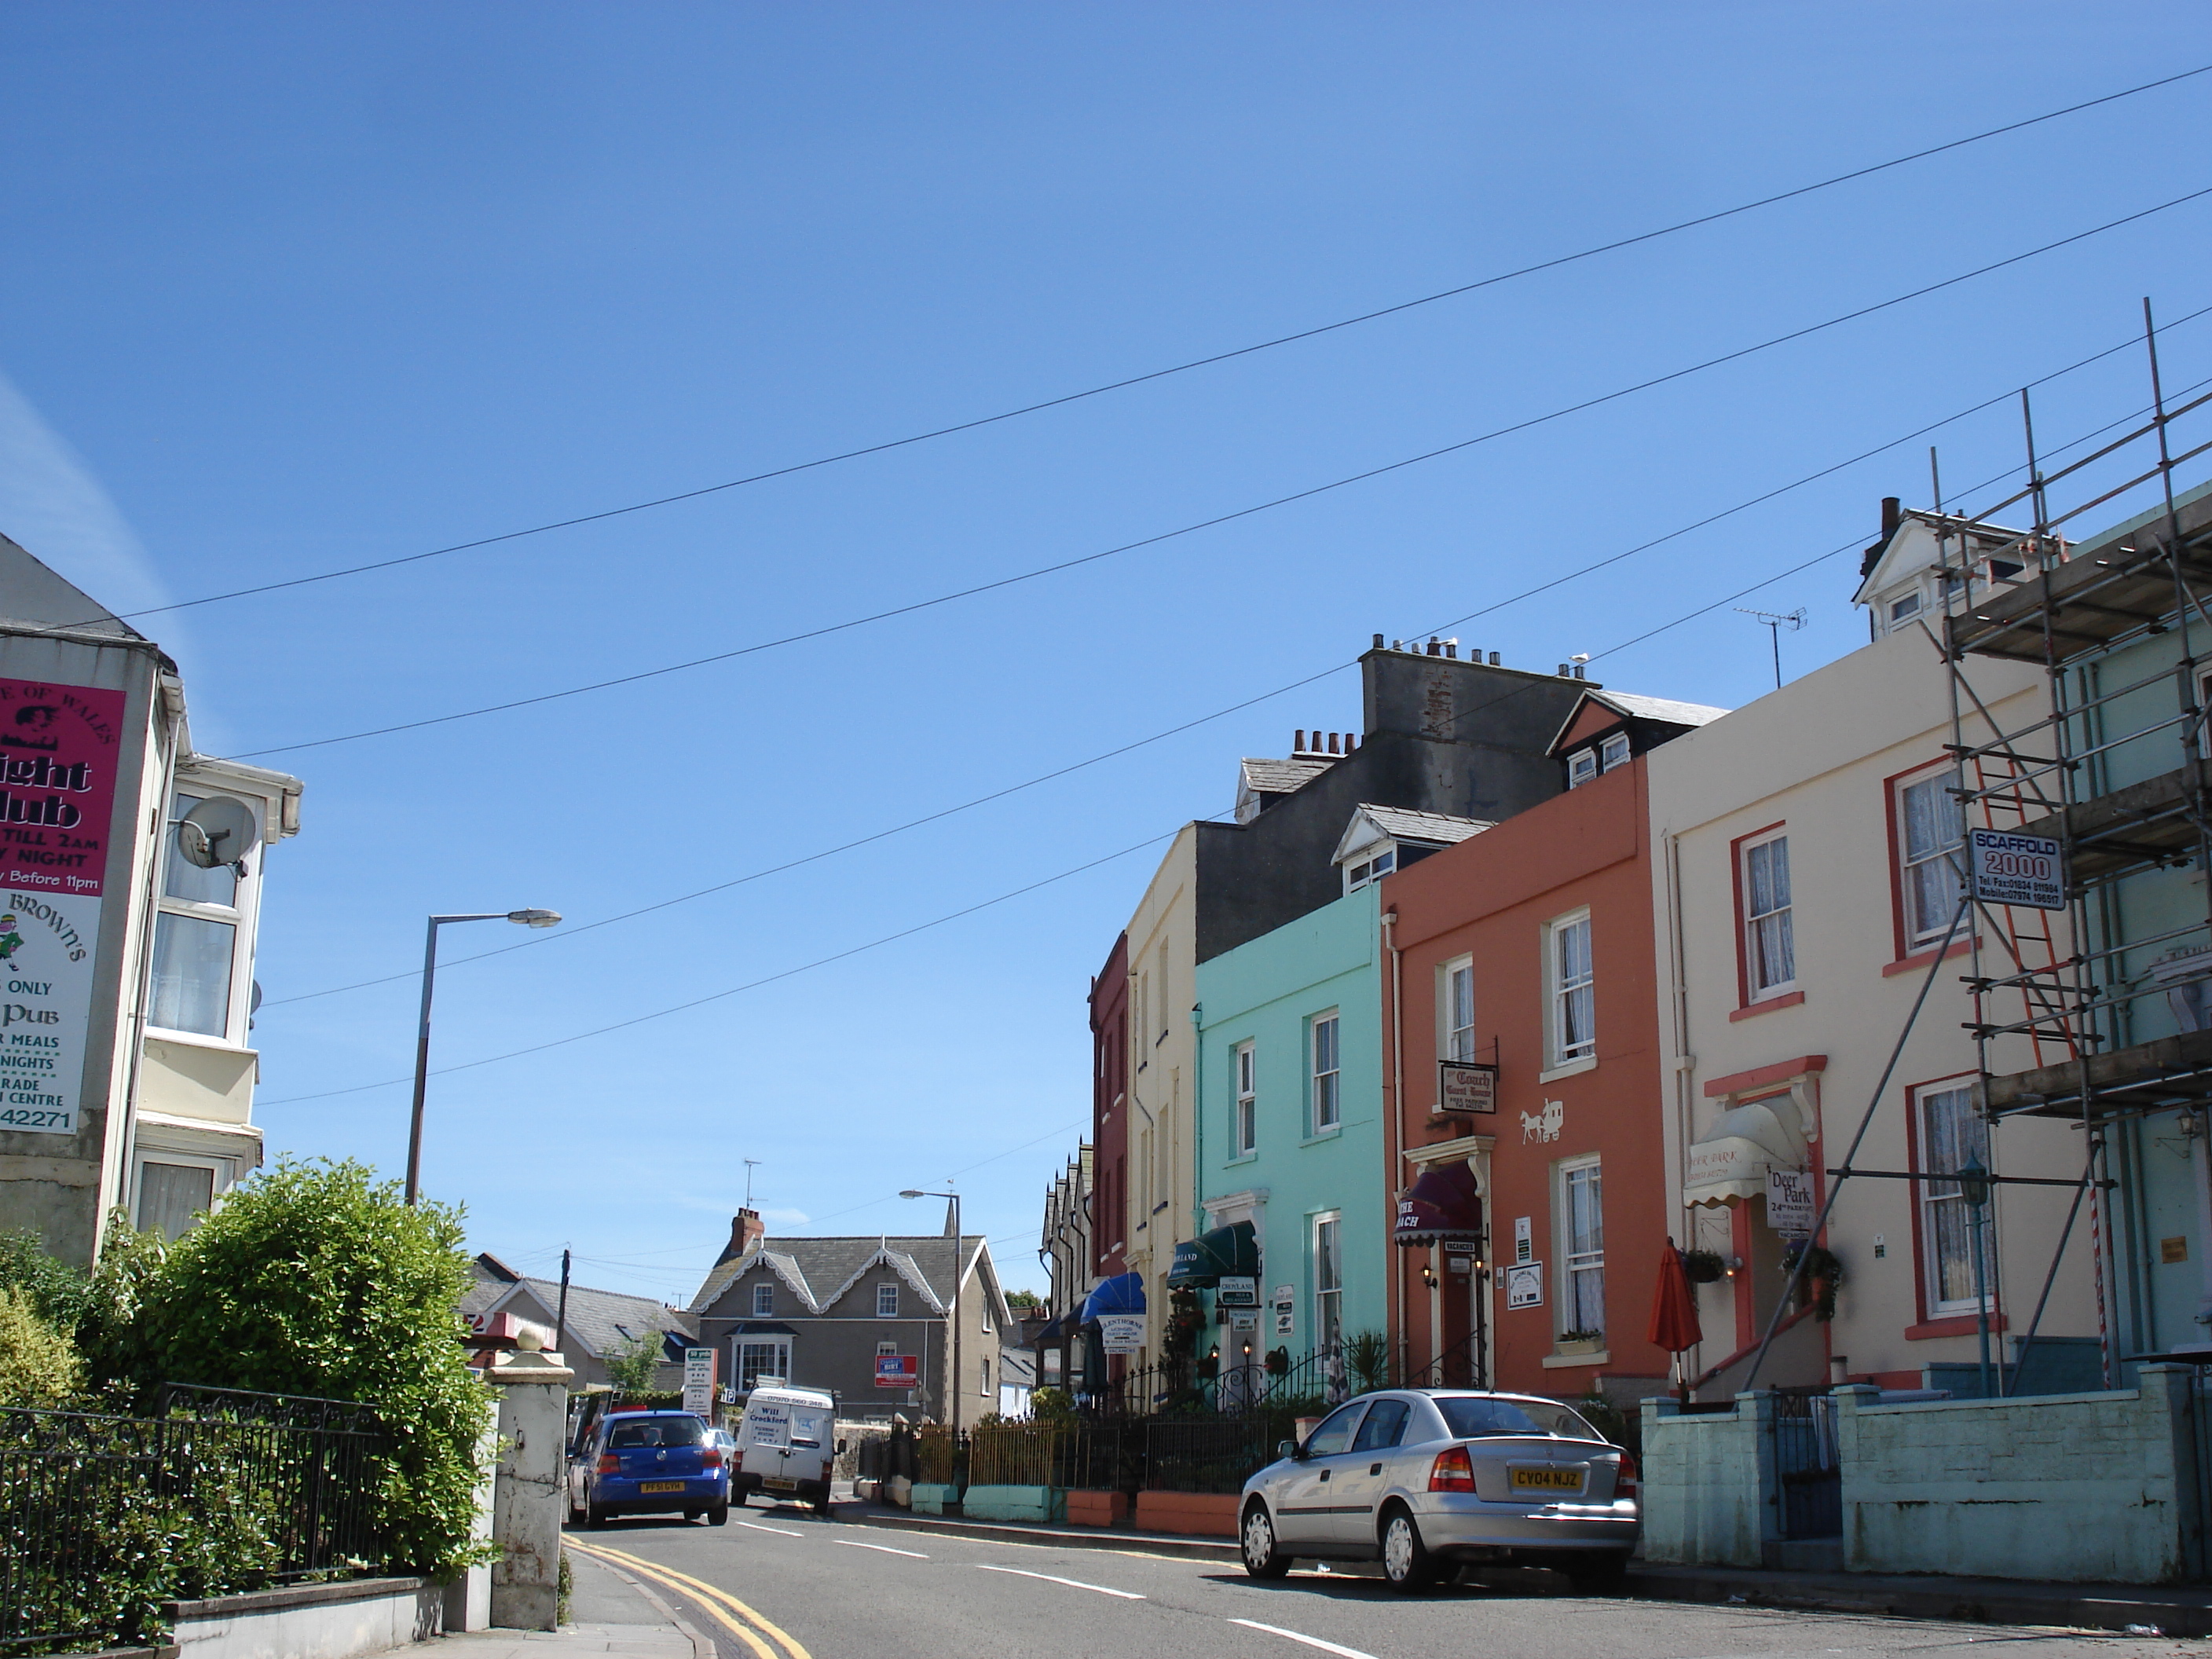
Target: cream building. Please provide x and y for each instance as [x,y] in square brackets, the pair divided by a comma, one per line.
[1806,873]
[1163,937]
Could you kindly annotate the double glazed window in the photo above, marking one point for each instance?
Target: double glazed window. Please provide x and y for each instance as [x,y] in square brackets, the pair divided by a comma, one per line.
[1931,830]
[1769,950]
[195,938]
[1327,1074]
[1459,1009]
[887,1302]
[1572,987]
[763,1301]
[1581,1249]
[1244,1115]
[1329,1281]
[1953,1134]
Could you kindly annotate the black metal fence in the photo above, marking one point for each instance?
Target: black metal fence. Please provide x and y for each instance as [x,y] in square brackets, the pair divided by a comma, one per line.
[1206,1453]
[103,1518]
[1806,1468]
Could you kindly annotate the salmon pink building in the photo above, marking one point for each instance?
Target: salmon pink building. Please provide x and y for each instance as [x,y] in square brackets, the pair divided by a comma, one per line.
[1523,1095]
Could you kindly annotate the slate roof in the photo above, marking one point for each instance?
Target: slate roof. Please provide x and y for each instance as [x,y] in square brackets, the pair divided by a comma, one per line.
[1438,829]
[1659,708]
[818,1270]
[1280,777]
[606,1321]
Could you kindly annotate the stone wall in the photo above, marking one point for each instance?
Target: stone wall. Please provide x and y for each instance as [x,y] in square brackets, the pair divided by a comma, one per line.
[1709,1491]
[2077,1487]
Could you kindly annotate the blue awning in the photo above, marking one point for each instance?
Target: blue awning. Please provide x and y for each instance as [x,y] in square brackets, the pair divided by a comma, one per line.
[1124,1293]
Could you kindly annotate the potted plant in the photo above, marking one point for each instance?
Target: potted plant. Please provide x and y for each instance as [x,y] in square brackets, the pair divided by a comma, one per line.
[1278,1362]
[1703,1267]
[1822,1278]
[1579,1342]
[1367,1356]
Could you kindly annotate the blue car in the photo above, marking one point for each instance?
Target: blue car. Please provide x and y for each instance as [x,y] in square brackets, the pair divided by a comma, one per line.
[650,1463]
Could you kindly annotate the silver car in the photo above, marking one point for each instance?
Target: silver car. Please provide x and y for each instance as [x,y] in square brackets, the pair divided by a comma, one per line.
[1430,1479]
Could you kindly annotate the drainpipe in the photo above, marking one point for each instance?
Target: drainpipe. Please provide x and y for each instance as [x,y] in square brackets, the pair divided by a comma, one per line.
[1197,1118]
[1684,1061]
[1397,1129]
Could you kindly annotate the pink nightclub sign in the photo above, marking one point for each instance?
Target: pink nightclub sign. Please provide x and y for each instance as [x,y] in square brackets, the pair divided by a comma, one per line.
[60,749]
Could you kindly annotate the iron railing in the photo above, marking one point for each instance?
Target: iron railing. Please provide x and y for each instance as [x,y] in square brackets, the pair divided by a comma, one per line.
[102,1517]
[1806,1466]
[1208,1455]
[1459,1366]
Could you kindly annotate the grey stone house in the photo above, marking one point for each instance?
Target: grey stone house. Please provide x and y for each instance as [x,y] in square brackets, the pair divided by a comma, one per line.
[819,1312]
[602,1325]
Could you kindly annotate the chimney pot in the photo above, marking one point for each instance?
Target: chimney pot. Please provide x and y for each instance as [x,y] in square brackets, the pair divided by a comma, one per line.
[1892,516]
[1378,641]
[1332,743]
[1298,741]
[1436,646]
[1451,649]
[1350,742]
[746,1231]
[1493,659]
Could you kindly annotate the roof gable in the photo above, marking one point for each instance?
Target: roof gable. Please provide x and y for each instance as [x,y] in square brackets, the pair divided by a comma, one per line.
[1598,711]
[1371,825]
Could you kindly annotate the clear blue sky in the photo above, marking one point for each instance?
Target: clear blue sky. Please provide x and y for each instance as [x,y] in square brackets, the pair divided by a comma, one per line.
[291,287]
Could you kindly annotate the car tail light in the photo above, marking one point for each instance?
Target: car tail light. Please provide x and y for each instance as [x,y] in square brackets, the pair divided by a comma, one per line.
[1624,1484]
[713,1459]
[1451,1472]
[610,1464]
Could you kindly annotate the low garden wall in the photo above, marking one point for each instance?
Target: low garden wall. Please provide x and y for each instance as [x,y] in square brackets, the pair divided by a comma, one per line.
[312,1621]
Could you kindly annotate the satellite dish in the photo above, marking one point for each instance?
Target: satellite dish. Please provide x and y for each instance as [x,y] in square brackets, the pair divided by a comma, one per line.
[218,831]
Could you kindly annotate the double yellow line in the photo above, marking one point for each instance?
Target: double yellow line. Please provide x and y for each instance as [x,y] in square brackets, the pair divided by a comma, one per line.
[747,1624]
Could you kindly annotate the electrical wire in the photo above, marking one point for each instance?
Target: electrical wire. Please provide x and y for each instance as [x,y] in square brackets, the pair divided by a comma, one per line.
[1218,520]
[537,939]
[1184,367]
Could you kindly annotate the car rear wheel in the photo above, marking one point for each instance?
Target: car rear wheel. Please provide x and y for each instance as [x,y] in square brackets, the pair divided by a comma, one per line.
[1406,1562]
[719,1516]
[594,1516]
[1263,1553]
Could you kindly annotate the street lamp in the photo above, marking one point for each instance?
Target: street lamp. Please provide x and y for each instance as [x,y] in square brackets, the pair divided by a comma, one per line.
[525,918]
[957,1386]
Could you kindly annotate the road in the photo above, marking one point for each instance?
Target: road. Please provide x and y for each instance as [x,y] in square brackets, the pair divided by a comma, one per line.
[779,1583]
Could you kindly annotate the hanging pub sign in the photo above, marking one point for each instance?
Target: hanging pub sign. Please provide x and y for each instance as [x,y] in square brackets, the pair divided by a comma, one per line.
[1466,1086]
[2014,869]
[1122,1333]
[1236,1291]
[1789,1201]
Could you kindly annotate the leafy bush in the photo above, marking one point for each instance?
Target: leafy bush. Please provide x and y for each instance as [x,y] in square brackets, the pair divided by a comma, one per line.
[39,1365]
[631,1371]
[1367,1356]
[57,1293]
[313,1279]
[1051,1405]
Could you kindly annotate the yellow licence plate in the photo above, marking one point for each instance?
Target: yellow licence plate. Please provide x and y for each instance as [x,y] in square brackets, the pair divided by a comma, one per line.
[1548,1479]
[660,1485]
[781,1486]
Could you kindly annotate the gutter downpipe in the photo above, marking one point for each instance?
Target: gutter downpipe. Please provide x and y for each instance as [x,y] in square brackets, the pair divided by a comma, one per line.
[1197,1120]
[1397,1128]
[1685,1062]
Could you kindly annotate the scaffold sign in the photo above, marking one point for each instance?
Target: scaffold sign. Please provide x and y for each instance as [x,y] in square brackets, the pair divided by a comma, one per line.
[2010,868]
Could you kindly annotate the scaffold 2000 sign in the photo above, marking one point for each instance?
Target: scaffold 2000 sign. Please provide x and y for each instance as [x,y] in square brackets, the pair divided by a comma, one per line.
[2010,868]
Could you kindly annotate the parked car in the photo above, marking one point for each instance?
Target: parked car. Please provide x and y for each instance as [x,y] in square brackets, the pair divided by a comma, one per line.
[647,1463]
[1427,1480]
[787,1447]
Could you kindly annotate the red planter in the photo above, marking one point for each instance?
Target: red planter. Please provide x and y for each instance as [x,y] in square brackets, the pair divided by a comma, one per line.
[1097,1508]
[1200,1513]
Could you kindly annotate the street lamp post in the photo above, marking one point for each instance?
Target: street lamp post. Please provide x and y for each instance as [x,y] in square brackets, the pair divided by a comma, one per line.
[956,1386]
[527,919]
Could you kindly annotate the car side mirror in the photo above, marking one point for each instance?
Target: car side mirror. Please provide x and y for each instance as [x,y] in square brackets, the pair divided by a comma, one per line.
[1288,1448]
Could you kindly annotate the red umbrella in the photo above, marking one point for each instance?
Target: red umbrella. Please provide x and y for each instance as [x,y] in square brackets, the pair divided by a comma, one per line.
[1674,1310]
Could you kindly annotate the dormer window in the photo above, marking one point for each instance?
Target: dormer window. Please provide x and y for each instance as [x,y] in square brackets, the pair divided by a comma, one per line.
[1582,766]
[1908,606]
[1373,869]
[1613,751]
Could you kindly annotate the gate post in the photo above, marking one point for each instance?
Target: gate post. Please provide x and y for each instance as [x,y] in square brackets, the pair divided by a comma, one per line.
[528,1502]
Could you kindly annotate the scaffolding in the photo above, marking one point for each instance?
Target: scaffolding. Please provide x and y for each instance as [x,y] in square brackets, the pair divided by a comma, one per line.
[2116,774]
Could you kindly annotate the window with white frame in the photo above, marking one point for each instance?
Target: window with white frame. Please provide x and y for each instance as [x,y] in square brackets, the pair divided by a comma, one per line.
[1613,751]
[764,1300]
[987,1378]
[173,1193]
[1952,1135]
[198,960]
[886,1348]
[887,1301]
[1327,1072]
[1371,869]
[1245,1120]
[1457,1004]
[1582,766]
[1570,983]
[757,1357]
[1328,1279]
[1769,947]
[1582,1248]
[1931,829]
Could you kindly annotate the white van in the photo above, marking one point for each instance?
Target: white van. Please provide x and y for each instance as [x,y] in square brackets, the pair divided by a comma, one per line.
[787,1446]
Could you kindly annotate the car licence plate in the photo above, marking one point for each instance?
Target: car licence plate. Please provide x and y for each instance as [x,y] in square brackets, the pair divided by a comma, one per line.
[775,1484]
[660,1485]
[1547,1480]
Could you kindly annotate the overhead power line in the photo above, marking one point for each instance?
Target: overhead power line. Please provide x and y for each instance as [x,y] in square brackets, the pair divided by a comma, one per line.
[1123,384]
[1218,520]
[537,938]
[1838,551]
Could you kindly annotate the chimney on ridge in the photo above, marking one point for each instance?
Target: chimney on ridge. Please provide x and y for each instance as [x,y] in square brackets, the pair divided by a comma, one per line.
[745,1233]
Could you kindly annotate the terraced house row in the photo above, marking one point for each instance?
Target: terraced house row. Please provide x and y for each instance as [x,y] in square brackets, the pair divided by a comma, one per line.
[1472,1018]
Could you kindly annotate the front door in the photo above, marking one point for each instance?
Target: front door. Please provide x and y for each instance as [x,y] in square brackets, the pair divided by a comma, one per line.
[1359,1488]
[1307,1515]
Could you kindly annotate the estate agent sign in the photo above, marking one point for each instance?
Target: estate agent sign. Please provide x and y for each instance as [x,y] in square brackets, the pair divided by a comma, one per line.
[58,753]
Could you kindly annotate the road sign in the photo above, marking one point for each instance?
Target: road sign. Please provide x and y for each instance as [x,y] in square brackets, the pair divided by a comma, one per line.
[898,1370]
[699,1380]
[2010,868]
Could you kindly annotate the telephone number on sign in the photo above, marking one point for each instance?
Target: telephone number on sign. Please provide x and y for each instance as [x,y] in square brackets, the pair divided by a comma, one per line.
[23,1117]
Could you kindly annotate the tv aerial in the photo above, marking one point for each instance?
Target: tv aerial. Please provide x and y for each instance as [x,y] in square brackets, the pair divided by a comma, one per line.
[1775,622]
[216,832]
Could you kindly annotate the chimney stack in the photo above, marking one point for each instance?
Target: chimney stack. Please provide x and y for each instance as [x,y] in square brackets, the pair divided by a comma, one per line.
[1892,516]
[745,1233]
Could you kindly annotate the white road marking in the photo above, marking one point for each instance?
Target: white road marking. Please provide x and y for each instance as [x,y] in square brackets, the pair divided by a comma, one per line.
[1310,1641]
[780,1532]
[856,1543]
[1072,1584]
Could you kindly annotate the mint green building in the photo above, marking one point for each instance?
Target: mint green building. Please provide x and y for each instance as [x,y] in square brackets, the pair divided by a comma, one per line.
[1290,1141]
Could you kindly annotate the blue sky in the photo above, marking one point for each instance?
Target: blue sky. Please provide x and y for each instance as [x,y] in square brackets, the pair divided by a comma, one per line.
[290,288]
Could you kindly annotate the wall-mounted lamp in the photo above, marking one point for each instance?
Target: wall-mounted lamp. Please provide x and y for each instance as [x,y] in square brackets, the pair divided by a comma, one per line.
[1428,1276]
